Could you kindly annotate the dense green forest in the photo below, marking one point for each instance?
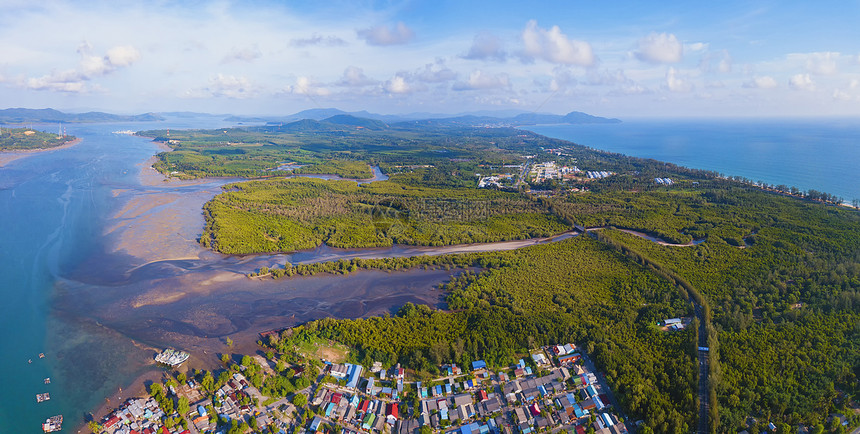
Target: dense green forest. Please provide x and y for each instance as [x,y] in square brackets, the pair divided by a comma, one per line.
[300,213]
[575,290]
[778,276]
[20,139]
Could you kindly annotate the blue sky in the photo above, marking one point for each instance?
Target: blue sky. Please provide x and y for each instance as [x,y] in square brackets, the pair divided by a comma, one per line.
[625,59]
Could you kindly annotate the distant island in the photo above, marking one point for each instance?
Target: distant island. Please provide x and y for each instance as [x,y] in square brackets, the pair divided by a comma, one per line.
[475,119]
[47,115]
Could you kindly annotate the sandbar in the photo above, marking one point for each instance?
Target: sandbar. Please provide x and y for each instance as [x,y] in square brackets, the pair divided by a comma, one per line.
[7,157]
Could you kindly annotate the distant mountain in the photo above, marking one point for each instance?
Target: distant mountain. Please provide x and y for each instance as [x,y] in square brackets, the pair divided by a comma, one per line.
[370,124]
[22,116]
[187,114]
[480,118]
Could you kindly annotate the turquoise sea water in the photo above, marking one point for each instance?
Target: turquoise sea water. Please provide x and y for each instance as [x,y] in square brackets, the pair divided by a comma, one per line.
[822,155]
[53,207]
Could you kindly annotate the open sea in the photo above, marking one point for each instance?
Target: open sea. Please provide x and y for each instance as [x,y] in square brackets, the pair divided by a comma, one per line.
[818,154]
[60,295]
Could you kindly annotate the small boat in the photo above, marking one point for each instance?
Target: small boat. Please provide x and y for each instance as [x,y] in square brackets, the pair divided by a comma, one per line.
[171,357]
[47,380]
[53,424]
[41,355]
[29,360]
[42,397]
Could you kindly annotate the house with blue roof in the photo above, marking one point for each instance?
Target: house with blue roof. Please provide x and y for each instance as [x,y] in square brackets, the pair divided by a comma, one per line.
[315,424]
[479,364]
[353,372]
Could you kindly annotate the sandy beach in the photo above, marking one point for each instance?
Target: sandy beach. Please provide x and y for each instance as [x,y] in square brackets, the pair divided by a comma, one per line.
[7,157]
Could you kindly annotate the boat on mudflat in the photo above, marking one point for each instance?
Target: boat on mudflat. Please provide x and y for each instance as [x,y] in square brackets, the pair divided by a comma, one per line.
[171,357]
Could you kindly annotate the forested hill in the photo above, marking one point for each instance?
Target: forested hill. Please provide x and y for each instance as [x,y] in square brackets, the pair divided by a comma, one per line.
[47,115]
[19,139]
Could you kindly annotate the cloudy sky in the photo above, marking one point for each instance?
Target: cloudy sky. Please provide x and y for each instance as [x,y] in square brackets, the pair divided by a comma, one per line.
[744,58]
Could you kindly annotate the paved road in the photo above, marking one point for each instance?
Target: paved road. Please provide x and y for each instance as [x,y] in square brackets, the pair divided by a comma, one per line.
[704,396]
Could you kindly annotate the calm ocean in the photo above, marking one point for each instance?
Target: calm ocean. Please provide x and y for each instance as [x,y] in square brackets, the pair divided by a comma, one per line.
[822,155]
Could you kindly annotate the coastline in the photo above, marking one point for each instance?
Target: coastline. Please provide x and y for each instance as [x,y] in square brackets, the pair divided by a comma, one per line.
[243,343]
[7,157]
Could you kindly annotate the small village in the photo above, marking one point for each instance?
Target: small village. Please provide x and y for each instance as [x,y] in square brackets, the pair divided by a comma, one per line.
[556,388]
[539,173]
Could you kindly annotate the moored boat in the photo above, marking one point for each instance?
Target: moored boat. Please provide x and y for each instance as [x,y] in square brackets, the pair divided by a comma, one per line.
[53,424]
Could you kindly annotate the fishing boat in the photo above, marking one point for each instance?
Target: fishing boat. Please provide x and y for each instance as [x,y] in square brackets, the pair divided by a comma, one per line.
[42,397]
[171,357]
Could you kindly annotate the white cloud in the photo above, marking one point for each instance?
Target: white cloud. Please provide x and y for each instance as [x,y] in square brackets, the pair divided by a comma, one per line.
[675,83]
[120,57]
[660,48]
[483,80]
[383,35]
[716,61]
[90,66]
[606,78]
[317,39]
[823,63]
[554,46]
[247,54]
[354,77]
[801,82]
[64,81]
[307,86]
[696,46]
[397,85]
[435,73]
[763,82]
[841,95]
[226,86]
[486,47]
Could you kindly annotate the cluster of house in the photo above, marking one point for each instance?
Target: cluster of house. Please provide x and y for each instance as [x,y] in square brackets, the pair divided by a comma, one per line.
[664,181]
[136,415]
[554,390]
[561,394]
[232,400]
[541,172]
[598,174]
[495,180]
